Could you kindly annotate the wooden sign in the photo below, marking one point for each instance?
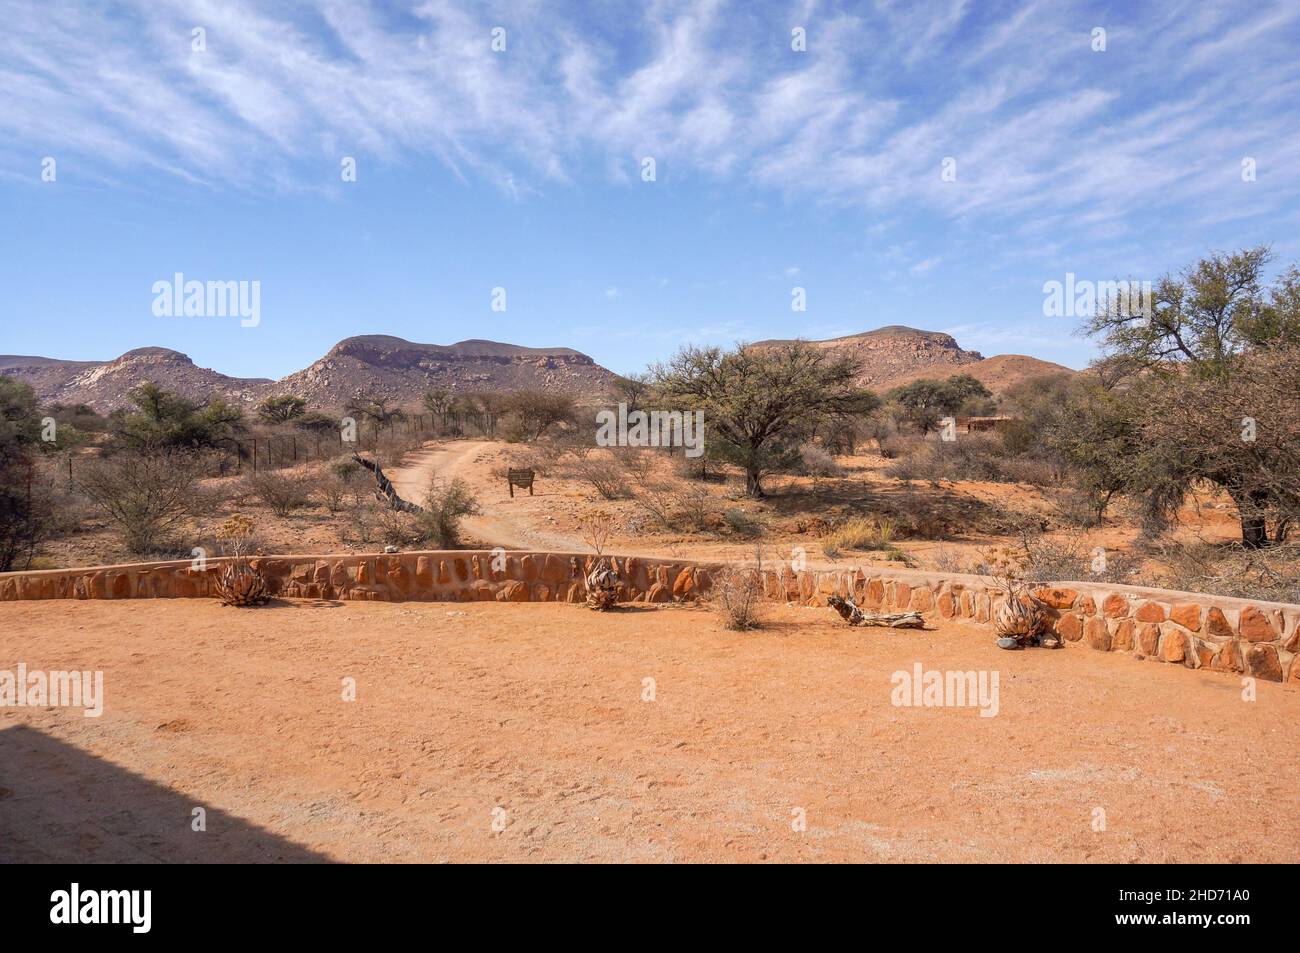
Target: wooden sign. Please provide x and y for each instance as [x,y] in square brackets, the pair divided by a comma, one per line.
[521,479]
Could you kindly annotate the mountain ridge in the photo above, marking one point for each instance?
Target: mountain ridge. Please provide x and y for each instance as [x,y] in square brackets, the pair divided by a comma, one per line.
[404,369]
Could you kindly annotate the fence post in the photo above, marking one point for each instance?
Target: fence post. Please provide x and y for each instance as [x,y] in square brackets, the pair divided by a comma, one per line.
[254,454]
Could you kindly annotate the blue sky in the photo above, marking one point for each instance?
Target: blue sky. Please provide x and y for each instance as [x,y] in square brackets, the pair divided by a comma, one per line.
[521,169]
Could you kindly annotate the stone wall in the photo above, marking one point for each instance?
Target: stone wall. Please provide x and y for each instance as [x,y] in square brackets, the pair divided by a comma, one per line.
[1191,629]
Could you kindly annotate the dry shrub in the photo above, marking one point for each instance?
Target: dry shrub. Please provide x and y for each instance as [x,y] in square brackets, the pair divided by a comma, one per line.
[600,470]
[860,534]
[596,529]
[895,446]
[1271,574]
[978,457]
[146,495]
[945,560]
[1044,559]
[332,492]
[283,491]
[363,514]
[742,524]
[334,484]
[670,502]
[29,515]
[815,461]
[445,505]
[737,596]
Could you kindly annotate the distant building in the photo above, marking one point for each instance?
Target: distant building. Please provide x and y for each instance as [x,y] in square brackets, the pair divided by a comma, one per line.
[980,424]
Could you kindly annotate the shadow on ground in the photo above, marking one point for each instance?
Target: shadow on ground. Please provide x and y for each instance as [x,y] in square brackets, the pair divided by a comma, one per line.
[59,804]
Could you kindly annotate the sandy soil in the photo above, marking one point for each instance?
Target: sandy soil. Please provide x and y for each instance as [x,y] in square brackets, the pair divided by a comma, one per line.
[791,517]
[537,710]
[499,521]
[794,518]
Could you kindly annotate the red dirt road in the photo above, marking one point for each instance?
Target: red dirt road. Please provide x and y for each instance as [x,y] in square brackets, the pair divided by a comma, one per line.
[532,716]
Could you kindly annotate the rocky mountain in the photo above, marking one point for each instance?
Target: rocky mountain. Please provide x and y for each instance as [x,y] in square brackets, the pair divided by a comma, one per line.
[103,385]
[405,370]
[391,365]
[388,365]
[891,353]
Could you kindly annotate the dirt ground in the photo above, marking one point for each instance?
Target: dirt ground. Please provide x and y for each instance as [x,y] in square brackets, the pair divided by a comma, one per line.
[532,719]
[979,516]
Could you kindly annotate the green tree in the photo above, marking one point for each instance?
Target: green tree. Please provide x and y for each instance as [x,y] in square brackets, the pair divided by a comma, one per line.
[281,409]
[163,419]
[758,402]
[1199,355]
[926,401]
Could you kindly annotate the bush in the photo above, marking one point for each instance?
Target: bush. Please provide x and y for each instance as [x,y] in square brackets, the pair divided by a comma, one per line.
[742,524]
[283,491]
[1272,574]
[860,534]
[24,520]
[332,491]
[737,596]
[364,512]
[144,494]
[444,506]
[601,471]
[814,461]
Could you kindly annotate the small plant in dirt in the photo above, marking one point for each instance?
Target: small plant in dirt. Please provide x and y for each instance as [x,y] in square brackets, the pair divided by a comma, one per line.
[596,529]
[861,534]
[238,583]
[1021,619]
[737,595]
[742,524]
[445,505]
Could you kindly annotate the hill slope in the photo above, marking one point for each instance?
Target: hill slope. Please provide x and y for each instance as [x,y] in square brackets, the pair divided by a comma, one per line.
[391,365]
[103,385]
[890,353]
[999,373]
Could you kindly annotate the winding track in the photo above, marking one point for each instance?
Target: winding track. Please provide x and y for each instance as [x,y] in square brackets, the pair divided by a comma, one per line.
[461,458]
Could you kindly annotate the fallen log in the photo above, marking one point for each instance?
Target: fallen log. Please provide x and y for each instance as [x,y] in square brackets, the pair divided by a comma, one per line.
[851,614]
[386,490]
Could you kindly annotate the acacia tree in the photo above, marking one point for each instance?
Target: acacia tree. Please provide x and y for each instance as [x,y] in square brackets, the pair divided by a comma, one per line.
[1208,360]
[538,411]
[758,401]
[164,420]
[281,409]
[926,400]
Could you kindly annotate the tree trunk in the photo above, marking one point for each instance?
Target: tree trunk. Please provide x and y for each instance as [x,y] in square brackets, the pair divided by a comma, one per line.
[1254,533]
[753,483]
[1254,528]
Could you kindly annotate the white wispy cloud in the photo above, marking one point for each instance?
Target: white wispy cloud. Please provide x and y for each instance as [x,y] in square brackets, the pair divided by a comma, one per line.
[1046,134]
